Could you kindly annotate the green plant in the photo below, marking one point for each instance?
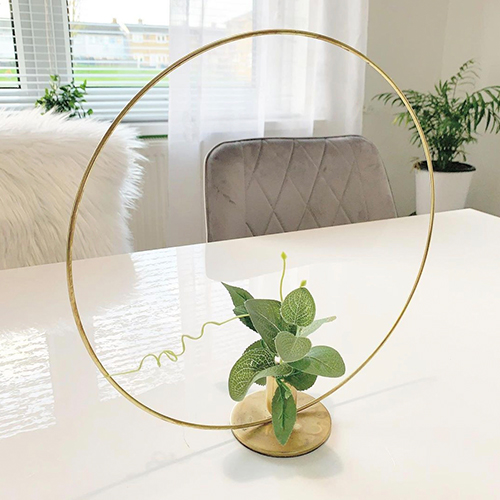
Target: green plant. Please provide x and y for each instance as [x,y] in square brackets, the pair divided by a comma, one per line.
[284,351]
[450,116]
[68,98]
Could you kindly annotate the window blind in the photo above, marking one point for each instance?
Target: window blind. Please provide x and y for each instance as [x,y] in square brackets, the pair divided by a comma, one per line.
[39,38]
[8,62]
[39,48]
[116,59]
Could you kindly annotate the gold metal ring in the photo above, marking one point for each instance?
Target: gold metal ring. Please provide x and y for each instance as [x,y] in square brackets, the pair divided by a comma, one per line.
[112,127]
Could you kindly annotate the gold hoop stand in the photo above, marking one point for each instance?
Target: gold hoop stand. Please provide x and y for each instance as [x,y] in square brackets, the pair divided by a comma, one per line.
[306,403]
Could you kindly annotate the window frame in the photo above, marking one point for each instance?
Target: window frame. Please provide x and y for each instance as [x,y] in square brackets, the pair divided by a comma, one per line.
[106,102]
[16,56]
[27,19]
[156,124]
[49,19]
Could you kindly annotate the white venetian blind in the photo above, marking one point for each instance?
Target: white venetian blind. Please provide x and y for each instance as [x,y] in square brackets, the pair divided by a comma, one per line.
[38,48]
[9,77]
[115,46]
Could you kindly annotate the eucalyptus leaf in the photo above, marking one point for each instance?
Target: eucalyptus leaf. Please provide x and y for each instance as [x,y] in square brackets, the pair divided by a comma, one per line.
[298,307]
[244,370]
[300,380]
[240,311]
[266,318]
[323,361]
[273,371]
[307,330]
[284,413]
[291,348]
[258,344]
[239,296]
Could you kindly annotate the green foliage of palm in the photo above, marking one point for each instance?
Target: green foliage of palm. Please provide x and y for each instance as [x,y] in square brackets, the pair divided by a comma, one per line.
[451,115]
[68,98]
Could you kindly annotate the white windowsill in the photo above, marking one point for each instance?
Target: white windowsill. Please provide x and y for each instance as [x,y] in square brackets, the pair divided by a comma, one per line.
[149,128]
[161,127]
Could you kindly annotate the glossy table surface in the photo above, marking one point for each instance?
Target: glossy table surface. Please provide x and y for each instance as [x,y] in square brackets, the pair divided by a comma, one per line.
[421,421]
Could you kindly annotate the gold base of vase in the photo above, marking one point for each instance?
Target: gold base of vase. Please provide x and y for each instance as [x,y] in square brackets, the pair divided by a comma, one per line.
[311,430]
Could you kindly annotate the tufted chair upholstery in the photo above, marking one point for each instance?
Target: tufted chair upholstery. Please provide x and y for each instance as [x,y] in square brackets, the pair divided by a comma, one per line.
[264,186]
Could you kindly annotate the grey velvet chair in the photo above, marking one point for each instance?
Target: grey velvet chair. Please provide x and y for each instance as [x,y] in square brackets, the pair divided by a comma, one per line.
[264,186]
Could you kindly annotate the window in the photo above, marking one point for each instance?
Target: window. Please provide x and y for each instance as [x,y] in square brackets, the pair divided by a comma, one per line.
[116,47]
[112,51]
[111,44]
[9,73]
[120,58]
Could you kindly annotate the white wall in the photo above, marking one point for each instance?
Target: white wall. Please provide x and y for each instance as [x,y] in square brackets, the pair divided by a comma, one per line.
[418,43]
[473,31]
[406,38]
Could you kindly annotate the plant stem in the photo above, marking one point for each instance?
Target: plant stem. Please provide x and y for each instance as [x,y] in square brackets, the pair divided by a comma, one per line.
[170,354]
[283,256]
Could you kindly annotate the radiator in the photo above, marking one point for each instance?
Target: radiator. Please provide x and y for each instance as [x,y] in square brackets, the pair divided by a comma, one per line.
[149,220]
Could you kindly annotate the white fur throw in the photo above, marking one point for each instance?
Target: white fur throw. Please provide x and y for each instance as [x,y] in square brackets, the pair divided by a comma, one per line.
[42,160]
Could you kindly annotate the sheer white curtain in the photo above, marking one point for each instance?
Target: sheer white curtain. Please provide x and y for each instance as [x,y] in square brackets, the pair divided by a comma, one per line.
[266,86]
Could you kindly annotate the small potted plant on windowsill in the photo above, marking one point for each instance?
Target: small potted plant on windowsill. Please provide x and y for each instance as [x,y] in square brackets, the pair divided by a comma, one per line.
[68,98]
[451,117]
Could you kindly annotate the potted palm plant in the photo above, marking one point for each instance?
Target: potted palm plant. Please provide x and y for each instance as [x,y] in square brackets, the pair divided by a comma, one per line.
[452,115]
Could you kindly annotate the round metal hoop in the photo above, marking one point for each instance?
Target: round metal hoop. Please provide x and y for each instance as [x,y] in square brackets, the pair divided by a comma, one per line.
[112,127]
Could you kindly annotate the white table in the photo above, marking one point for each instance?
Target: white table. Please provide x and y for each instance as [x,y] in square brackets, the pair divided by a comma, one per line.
[421,421]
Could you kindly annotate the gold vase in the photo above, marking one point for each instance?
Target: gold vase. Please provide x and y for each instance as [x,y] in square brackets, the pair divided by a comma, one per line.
[311,430]
[271,386]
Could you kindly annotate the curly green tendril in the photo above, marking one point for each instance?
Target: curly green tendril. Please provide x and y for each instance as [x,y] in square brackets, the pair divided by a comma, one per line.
[172,356]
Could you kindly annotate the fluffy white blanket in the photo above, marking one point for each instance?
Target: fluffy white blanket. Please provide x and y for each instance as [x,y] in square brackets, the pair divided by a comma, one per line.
[42,160]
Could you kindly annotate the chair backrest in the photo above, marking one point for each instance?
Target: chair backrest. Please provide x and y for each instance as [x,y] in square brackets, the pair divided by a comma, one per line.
[263,186]
[42,160]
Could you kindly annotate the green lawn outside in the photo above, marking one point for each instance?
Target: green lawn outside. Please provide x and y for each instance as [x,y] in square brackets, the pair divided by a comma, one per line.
[8,78]
[112,76]
[103,76]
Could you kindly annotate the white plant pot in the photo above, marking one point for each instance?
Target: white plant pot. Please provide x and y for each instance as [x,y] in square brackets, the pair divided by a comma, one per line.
[451,190]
